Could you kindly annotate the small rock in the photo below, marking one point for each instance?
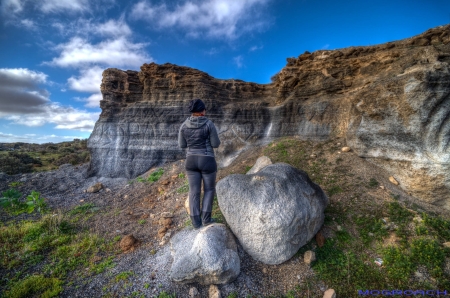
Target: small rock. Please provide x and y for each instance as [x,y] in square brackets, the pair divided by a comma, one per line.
[260,163]
[370,234]
[81,201]
[381,186]
[339,228]
[393,181]
[299,277]
[339,144]
[186,205]
[346,149]
[313,156]
[166,215]
[95,188]
[166,222]
[378,261]
[128,243]
[108,190]
[264,270]
[193,293]
[125,197]
[330,293]
[320,239]
[162,232]
[418,274]
[309,257]
[214,292]
[446,244]
[418,219]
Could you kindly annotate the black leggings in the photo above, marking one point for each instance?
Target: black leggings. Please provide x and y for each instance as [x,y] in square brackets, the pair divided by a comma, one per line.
[200,168]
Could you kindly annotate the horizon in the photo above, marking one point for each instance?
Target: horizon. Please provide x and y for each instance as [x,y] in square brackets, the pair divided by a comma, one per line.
[53,54]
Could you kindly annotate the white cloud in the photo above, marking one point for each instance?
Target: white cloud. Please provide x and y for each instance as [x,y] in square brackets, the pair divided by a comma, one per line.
[20,91]
[93,101]
[216,18]
[87,27]
[53,6]
[11,6]
[239,61]
[88,81]
[63,117]
[23,102]
[255,48]
[29,24]
[113,28]
[119,52]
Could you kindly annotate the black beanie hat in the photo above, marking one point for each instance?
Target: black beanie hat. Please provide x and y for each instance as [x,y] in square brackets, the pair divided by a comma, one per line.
[196,106]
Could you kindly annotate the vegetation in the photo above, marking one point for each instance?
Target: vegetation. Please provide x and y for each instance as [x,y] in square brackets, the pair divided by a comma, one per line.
[39,254]
[347,260]
[153,177]
[17,158]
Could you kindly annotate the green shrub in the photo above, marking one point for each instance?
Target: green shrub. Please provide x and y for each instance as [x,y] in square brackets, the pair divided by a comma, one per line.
[35,286]
[156,175]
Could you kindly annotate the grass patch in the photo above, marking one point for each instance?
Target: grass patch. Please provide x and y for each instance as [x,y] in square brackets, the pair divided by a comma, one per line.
[373,183]
[122,276]
[57,246]
[84,209]
[184,188]
[164,294]
[35,286]
[156,175]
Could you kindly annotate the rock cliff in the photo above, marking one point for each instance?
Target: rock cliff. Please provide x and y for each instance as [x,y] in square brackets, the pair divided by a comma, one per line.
[391,102]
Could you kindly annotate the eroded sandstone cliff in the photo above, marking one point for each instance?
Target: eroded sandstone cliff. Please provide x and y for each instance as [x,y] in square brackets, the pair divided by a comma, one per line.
[391,102]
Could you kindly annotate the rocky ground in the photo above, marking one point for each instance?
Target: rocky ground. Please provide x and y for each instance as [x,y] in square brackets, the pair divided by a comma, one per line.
[154,211]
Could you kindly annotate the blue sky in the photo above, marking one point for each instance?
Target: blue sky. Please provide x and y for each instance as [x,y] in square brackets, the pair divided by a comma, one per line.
[52,52]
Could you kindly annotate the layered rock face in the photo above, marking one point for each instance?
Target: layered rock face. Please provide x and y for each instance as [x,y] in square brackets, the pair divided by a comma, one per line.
[391,102]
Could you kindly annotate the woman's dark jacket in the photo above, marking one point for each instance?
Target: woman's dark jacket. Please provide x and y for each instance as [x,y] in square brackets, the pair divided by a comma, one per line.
[199,135]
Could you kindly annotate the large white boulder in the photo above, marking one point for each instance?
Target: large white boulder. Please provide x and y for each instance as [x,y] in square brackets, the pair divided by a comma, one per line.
[273,212]
[207,256]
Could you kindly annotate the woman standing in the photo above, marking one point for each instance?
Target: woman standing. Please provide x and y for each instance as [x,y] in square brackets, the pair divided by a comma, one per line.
[199,135]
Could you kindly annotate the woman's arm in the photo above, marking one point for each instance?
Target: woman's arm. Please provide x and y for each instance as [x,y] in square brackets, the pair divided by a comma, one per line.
[213,136]
[181,140]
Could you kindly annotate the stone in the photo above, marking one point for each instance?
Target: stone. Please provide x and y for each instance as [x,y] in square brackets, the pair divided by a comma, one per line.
[95,188]
[207,256]
[260,163]
[346,149]
[214,292]
[194,293]
[162,232]
[320,239]
[309,257]
[393,180]
[186,205]
[330,293]
[166,222]
[446,244]
[273,212]
[392,114]
[128,242]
